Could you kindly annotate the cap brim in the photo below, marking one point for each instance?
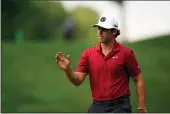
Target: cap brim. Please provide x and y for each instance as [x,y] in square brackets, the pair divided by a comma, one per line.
[103,26]
[97,25]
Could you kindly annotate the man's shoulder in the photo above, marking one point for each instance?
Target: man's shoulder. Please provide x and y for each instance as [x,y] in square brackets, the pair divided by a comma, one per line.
[125,48]
[88,51]
[91,48]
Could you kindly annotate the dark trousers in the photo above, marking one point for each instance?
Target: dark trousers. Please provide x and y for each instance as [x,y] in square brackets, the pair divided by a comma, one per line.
[119,105]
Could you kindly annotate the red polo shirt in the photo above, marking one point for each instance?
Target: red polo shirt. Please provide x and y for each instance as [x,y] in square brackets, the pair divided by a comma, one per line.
[109,74]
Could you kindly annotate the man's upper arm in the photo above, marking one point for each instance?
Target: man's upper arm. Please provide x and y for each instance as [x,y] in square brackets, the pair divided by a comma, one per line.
[83,64]
[131,64]
[137,78]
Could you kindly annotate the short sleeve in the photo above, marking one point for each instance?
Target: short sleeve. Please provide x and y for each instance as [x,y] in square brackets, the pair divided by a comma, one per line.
[131,64]
[83,63]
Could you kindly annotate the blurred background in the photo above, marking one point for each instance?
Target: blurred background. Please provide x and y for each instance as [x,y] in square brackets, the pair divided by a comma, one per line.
[32,32]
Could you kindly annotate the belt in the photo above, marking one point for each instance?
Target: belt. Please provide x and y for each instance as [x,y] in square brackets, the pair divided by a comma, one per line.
[119,100]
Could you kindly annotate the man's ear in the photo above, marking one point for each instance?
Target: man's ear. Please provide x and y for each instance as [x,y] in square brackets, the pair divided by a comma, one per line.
[114,32]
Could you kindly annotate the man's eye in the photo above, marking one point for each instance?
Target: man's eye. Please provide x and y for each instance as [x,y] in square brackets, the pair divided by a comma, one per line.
[104,29]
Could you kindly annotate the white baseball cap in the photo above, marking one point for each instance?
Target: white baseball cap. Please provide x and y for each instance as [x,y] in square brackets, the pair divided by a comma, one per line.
[107,21]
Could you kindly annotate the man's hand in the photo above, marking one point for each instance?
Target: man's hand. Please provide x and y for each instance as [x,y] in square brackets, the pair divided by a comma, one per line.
[63,63]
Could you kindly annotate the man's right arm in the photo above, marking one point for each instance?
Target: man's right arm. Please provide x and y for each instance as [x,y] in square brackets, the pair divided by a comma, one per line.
[76,78]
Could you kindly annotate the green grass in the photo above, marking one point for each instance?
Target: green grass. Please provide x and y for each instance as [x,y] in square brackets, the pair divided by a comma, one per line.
[32,82]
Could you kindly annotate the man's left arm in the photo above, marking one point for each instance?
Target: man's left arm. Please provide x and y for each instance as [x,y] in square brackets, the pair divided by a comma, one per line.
[141,92]
[134,71]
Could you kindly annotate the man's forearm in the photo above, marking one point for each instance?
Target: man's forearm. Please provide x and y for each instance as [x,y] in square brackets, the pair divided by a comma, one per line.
[141,93]
[72,76]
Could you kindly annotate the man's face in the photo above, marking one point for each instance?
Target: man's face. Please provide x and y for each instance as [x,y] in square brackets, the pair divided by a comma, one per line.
[105,35]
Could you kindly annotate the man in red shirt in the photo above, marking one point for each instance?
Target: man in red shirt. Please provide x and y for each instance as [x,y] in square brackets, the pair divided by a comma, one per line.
[109,66]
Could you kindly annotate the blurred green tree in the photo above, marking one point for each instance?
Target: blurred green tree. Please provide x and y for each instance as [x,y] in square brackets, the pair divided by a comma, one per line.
[85,18]
[46,21]
[37,20]
[10,8]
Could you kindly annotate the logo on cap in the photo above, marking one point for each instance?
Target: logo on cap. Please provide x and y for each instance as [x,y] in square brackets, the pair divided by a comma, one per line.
[115,25]
[103,19]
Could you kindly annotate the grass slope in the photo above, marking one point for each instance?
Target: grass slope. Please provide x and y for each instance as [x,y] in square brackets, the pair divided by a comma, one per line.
[32,82]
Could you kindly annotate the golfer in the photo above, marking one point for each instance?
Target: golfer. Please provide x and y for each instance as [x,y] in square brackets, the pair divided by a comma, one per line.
[109,65]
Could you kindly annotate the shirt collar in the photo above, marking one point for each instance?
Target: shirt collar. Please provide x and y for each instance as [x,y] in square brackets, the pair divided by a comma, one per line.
[116,47]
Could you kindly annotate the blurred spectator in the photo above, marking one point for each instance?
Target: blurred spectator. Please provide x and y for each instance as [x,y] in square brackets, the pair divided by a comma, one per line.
[19,36]
[69,28]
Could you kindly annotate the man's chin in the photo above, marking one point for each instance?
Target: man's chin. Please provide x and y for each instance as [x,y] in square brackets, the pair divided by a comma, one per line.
[102,41]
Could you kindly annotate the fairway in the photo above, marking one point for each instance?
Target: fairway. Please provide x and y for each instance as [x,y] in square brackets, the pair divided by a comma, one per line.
[32,82]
